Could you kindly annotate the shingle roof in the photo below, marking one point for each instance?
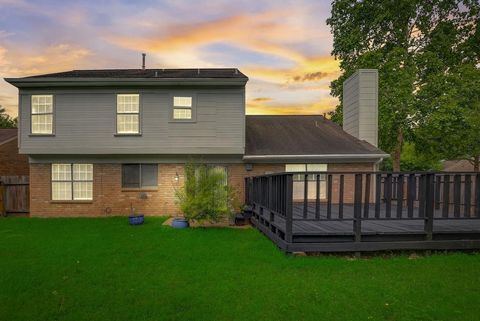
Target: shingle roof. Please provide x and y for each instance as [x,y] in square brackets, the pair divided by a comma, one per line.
[148,73]
[7,133]
[461,165]
[301,135]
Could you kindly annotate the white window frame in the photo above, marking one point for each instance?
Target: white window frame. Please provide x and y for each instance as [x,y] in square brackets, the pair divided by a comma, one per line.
[43,113]
[73,181]
[184,103]
[299,179]
[305,168]
[120,113]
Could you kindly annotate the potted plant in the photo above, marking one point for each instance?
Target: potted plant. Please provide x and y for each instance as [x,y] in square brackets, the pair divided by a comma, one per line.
[204,196]
[135,219]
[180,222]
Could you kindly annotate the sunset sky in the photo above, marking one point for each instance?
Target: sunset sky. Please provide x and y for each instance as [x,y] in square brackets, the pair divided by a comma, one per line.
[282,46]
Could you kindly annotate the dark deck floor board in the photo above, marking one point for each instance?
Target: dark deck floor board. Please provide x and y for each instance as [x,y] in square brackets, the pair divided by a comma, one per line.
[371,226]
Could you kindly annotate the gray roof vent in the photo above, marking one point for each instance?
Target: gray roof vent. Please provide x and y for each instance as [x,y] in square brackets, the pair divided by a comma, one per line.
[143,60]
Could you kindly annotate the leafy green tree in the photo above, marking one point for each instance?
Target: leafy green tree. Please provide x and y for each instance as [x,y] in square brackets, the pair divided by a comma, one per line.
[413,160]
[6,121]
[394,37]
[452,130]
[205,195]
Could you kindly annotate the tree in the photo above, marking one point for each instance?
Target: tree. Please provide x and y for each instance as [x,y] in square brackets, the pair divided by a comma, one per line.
[393,36]
[452,130]
[6,121]
[412,160]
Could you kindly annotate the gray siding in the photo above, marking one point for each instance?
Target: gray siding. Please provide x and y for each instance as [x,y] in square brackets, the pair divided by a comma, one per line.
[360,105]
[85,123]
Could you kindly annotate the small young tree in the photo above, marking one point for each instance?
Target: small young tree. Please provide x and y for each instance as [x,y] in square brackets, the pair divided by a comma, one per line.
[6,121]
[205,195]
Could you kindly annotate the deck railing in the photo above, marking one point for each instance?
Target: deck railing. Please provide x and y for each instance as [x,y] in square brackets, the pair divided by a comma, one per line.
[280,200]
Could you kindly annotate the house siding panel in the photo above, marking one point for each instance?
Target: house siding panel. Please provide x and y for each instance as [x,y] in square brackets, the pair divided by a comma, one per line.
[85,123]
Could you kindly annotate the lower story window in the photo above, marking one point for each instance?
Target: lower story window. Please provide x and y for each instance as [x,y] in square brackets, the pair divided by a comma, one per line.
[72,182]
[305,168]
[299,180]
[139,175]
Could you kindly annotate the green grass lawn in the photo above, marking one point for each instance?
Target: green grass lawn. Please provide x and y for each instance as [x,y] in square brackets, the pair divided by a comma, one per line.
[103,269]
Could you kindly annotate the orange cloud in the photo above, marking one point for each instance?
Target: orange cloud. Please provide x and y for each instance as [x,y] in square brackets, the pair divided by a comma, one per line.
[316,107]
[311,76]
[17,63]
[262,99]
[20,63]
[310,69]
[261,33]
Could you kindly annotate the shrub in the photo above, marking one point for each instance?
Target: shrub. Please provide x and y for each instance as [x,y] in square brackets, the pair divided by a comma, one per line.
[205,195]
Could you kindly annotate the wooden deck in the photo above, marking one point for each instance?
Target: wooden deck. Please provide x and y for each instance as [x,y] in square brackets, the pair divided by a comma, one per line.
[427,223]
[376,234]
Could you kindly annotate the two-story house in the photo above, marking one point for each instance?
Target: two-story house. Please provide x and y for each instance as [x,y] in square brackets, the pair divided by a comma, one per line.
[101,141]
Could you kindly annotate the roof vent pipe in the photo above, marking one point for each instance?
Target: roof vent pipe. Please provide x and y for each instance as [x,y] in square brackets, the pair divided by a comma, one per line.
[143,60]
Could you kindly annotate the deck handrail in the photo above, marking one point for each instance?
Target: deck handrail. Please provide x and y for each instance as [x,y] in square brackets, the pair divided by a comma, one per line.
[368,195]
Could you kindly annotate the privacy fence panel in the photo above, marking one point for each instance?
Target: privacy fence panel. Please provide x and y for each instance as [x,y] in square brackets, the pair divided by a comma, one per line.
[14,194]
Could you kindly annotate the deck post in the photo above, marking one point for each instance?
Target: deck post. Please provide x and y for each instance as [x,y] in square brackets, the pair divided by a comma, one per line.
[247,191]
[477,195]
[289,208]
[429,205]
[305,196]
[357,208]
[3,200]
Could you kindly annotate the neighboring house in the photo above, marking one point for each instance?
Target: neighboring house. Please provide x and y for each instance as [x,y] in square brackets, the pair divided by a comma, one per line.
[101,141]
[458,165]
[11,162]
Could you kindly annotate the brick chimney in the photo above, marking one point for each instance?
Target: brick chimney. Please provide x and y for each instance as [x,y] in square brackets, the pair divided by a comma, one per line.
[360,105]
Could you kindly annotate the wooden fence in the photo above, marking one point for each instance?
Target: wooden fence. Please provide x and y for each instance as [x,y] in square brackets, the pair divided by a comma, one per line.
[14,195]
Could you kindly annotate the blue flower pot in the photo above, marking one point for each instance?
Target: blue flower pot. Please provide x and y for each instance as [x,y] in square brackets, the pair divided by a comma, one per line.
[180,223]
[136,219]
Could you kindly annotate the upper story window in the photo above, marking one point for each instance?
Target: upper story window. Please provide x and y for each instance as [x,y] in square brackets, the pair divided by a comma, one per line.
[182,108]
[42,114]
[128,114]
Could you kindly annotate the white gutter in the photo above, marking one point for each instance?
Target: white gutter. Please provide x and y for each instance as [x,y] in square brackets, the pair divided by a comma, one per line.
[321,156]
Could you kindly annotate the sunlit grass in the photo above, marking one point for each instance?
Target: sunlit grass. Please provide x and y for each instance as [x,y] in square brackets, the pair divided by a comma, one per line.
[103,269]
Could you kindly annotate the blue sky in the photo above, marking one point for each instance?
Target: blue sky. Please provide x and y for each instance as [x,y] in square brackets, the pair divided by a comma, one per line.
[283,46]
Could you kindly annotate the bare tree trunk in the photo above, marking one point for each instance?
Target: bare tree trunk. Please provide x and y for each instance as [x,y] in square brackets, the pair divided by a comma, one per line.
[476,163]
[398,151]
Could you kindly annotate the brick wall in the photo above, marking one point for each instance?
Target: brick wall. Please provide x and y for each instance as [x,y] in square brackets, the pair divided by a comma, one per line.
[11,162]
[237,174]
[349,180]
[109,199]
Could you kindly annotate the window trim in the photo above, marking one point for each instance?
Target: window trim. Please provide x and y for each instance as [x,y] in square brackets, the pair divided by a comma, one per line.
[140,188]
[297,178]
[52,113]
[71,181]
[193,108]
[140,118]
